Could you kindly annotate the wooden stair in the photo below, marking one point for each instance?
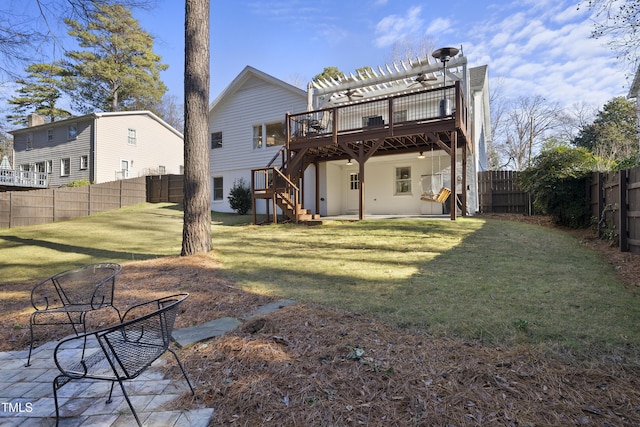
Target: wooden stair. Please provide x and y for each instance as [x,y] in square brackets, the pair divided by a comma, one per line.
[288,208]
[279,186]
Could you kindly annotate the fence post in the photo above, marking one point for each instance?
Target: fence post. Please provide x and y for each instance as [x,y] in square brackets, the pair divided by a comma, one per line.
[600,201]
[622,211]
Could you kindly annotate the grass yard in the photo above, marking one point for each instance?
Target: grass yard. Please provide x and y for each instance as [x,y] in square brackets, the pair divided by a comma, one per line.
[501,282]
[396,322]
[497,281]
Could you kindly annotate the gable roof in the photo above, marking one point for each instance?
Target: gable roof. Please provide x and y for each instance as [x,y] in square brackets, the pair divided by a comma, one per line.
[94,116]
[244,76]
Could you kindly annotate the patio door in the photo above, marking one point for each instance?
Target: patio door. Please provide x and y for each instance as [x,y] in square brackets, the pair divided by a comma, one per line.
[353,192]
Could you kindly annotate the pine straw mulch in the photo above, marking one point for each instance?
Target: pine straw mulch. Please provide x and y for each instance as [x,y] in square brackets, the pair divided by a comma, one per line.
[310,365]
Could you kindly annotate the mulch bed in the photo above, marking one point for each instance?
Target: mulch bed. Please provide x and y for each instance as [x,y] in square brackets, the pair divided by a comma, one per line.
[312,365]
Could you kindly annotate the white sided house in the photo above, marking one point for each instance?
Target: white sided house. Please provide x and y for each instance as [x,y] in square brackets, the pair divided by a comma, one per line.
[247,129]
[400,140]
[98,147]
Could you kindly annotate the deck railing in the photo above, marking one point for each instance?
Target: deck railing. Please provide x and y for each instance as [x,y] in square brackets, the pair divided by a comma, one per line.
[271,182]
[393,112]
[10,177]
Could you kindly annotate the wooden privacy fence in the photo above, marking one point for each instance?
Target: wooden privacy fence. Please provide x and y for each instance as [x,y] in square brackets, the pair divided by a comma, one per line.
[615,204]
[20,208]
[165,188]
[499,193]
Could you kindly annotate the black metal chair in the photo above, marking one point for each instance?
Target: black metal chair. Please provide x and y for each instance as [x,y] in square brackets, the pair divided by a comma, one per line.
[67,297]
[121,352]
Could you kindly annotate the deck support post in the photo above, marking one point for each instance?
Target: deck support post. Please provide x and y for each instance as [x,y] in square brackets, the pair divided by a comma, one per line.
[454,193]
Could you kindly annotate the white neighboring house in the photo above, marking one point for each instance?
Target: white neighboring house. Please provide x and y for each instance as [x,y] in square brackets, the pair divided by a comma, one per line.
[247,129]
[385,125]
[98,147]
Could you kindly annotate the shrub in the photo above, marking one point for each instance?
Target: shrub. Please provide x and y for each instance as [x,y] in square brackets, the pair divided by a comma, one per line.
[79,183]
[557,182]
[240,197]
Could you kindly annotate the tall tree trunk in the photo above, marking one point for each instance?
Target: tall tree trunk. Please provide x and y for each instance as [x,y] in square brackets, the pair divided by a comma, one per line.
[196,231]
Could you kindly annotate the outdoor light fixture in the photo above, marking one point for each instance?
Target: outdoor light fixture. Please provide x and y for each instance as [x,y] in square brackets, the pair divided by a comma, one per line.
[421,156]
[444,55]
[349,162]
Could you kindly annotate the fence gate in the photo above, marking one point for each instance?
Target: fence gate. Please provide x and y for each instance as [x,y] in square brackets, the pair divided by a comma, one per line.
[499,193]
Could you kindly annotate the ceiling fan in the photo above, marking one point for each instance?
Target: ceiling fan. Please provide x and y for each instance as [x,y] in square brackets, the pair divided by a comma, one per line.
[422,79]
[349,94]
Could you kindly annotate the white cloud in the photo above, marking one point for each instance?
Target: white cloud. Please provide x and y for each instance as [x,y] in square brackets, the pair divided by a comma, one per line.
[439,26]
[544,48]
[393,28]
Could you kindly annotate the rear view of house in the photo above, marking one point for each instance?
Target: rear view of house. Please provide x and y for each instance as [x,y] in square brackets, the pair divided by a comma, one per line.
[405,139]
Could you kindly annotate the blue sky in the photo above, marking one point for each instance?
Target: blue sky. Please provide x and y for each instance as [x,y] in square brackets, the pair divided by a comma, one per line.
[532,47]
[539,47]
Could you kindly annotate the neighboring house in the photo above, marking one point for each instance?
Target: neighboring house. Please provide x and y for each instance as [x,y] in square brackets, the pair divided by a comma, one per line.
[99,147]
[308,153]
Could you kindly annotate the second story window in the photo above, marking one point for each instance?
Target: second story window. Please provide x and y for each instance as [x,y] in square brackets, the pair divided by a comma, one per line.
[72,131]
[131,140]
[275,134]
[84,162]
[268,135]
[50,135]
[216,140]
[29,141]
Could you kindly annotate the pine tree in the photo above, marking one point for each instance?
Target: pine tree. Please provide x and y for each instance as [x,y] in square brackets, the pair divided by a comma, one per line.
[39,93]
[118,69]
[196,230]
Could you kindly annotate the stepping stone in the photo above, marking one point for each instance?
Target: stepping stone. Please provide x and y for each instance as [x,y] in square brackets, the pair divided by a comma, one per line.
[214,328]
[217,327]
[269,308]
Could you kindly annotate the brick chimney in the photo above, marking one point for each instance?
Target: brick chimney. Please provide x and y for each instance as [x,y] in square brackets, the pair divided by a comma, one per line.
[34,119]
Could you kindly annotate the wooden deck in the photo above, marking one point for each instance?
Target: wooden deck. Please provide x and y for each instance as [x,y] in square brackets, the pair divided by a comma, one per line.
[418,121]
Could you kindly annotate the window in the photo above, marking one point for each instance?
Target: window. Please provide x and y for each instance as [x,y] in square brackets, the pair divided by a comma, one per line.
[65,166]
[49,166]
[131,139]
[218,191]
[257,137]
[403,180]
[354,181]
[72,131]
[29,141]
[124,168]
[84,162]
[271,133]
[41,167]
[275,134]
[49,134]
[162,170]
[216,140]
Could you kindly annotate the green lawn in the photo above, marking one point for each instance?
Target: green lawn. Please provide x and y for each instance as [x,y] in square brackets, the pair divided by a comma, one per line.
[499,281]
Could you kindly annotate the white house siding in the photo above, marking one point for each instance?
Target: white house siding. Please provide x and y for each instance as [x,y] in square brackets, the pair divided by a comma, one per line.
[256,101]
[55,150]
[337,197]
[156,145]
